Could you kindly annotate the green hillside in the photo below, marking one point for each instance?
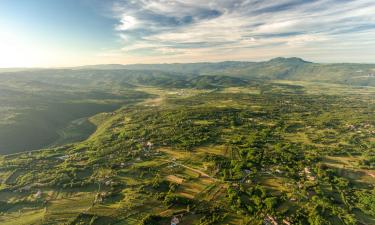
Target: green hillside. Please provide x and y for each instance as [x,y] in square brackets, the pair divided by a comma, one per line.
[38,107]
[252,153]
[278,68]
[298,69]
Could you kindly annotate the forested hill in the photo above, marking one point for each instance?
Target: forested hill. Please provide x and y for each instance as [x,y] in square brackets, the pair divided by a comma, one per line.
[278,68]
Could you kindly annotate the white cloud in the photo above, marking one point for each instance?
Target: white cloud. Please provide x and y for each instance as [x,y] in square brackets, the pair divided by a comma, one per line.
[247,29]
[126,22]
[276,27]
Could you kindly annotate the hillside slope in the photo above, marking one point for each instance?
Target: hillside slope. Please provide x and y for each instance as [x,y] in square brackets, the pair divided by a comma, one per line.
[237,155]
[278,68]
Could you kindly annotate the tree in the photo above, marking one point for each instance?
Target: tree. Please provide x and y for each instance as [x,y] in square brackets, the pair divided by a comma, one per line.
[150,220]
[270,203]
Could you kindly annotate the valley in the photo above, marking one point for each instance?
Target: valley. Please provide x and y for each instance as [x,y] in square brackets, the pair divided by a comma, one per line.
[251,151]
[187,112]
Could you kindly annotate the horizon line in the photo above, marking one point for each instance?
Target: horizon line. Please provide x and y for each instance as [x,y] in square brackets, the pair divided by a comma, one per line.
[172,63]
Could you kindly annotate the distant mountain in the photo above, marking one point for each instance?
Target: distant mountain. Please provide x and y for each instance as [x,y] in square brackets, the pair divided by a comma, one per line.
[298,69]
[292,60]
[6,70]
[101,67]
[180,75]
[185,68]
[274,69]
[191,68]
[200,82]
[206,82]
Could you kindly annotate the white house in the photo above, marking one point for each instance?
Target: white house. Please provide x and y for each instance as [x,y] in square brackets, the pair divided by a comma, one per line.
[175,221]
[38,194]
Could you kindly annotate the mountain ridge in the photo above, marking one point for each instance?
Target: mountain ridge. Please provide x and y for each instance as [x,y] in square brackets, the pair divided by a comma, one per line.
[280,68]
[285,59]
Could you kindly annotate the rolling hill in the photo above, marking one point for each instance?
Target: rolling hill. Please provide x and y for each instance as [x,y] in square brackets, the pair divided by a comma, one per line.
[274,69]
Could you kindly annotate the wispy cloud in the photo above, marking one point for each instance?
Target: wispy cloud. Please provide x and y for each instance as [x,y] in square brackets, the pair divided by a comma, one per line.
[188,30]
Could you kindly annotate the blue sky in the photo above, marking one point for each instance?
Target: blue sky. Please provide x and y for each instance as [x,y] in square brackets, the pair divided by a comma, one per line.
[76,32]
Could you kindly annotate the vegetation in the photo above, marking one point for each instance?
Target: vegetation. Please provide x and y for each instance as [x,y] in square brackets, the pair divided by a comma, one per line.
[215,150]
[278,68]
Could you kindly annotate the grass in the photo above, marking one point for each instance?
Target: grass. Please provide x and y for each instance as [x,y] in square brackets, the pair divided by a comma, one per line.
[191,182]
[177,154]
[247,90]
[347,166]
[27,217]
[63,210]
[75,131]
[275,184]
[363,218]
[214,149]
[194,186]
[330,88]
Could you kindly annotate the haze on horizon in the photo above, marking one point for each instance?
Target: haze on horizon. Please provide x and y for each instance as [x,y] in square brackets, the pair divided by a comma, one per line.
[49,33]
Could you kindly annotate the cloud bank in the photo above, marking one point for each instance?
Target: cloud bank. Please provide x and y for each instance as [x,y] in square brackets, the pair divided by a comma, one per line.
[213,30]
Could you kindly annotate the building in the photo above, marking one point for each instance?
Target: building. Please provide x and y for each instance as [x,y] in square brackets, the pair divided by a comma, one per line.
[175,221]
[38,194]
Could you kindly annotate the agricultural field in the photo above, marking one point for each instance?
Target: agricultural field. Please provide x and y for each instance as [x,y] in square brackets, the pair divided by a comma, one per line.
[259,152]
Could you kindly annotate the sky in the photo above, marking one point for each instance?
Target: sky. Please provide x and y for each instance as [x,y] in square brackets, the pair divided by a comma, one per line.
[54,33]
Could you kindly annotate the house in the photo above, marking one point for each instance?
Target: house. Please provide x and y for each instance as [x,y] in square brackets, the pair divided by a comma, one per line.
[308,174]
[175,221]
[247,171]
[149,144]
[38,194]
[279,171]
[98,198]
